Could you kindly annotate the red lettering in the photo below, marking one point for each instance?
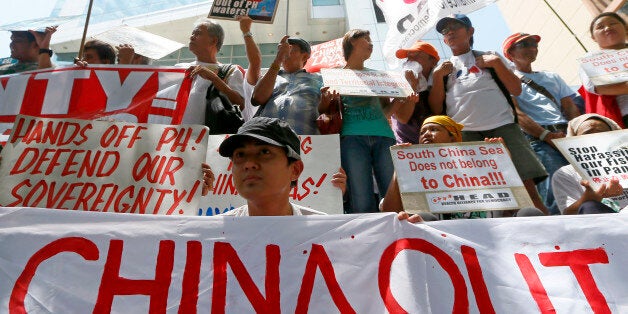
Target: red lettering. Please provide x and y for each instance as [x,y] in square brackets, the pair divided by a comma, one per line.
[578,261]
[111,284]
[225,254]
[482,298]
[27,151]
[191,278]
[81,246]
[461,301]
[539,294]
[319,259]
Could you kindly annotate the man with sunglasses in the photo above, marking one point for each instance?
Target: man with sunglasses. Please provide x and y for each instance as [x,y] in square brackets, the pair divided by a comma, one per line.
[474,88]
[545,106]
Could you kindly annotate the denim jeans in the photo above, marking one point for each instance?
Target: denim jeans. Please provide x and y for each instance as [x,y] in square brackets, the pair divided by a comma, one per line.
[552,160]
[362,156]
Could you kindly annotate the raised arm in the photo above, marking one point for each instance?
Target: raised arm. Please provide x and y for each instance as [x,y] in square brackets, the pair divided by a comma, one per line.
[253,53]
[43,41]
[437,92]
[264,88]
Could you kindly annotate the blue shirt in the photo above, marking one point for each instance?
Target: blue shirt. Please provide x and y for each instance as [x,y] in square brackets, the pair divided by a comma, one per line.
[539,108]
[295,100]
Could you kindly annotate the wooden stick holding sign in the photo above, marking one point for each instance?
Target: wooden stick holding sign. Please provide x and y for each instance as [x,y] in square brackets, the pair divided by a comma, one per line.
[470,176]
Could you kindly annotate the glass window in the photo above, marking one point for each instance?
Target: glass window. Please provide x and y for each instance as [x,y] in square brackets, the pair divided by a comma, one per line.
[317,3]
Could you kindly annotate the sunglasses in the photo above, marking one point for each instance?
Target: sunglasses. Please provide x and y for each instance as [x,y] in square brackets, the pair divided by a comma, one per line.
[452,27]
[526,44]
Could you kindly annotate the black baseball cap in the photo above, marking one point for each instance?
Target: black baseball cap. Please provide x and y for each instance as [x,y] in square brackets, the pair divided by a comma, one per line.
[302,43]
[272,131]
[460,18]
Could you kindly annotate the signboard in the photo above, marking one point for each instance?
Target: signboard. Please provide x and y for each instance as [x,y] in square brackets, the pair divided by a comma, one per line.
[144,43]
[598,157]
[262,11]
[326,55]
[141,94]
[103,166]
[469,176]
[321,159]
[606,67]
[81,262]
[366,83]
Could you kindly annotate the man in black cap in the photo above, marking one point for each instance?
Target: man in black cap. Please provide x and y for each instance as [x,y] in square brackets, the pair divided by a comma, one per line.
[266,156]
[291,93]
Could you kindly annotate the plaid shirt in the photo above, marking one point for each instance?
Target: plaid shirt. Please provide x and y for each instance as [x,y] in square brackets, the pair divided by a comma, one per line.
[295,100]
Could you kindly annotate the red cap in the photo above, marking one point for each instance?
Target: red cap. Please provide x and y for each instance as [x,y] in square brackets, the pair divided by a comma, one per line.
[515,38]
[418,46]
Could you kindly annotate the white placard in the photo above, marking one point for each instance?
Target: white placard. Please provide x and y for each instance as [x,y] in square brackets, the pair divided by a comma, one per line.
[144,43]
[606,67]
[366,83]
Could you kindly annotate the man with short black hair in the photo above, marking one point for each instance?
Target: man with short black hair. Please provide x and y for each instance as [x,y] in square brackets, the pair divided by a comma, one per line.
[31,49]
[98,52]
[287,91]
[545,106]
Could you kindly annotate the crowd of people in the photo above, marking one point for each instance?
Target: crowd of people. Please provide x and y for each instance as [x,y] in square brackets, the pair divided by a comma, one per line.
[473,96]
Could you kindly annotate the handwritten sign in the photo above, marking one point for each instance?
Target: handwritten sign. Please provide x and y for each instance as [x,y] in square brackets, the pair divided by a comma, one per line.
[262,11]
[366,83]
[321,159]
[606,66]
[470,176]
[82,262]
[141,94]
[103,166]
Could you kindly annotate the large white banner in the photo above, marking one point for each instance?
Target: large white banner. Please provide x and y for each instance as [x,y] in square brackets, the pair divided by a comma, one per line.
[103,166]
[409,20]
[82,262]
[321,157]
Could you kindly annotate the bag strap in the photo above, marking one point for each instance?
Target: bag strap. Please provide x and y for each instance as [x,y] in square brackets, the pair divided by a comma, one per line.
[539,88]
[501,86]
[224,70]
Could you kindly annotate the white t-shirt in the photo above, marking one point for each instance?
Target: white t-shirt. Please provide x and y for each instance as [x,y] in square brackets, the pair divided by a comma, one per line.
[296,211]
[195,110]
[622,100]
[567,189]
[473,97]
[249,110]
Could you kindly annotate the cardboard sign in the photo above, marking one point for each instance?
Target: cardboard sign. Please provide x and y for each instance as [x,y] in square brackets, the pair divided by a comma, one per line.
[366,83]
[262,11]
[606,66]
[40,24]
[82,262]
[326,55]
[469,176]
[142,94]
[144,43]
[321,159]
[598,157]
[103,166]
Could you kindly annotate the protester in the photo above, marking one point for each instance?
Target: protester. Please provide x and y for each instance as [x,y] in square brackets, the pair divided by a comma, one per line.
[205,43]
[287,91]
[31,49]
[127,55]
[421,58]
[474,89]
[575,195]
[266,156]
[609,31]
[545,106]
[98,52]
[254,56]
[366,135]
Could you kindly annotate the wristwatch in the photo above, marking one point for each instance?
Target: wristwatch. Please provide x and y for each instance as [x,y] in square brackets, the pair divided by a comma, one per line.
[45,50]
[247,34]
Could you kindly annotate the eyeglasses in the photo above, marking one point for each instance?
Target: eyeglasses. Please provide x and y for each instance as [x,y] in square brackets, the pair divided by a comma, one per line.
[452,27]
[526,44]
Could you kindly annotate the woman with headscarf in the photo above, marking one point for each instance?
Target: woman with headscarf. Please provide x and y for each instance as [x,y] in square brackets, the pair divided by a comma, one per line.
[609,31]
[575,195]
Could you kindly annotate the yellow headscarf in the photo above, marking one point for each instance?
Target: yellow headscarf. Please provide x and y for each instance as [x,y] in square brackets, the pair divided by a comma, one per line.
[452,126]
